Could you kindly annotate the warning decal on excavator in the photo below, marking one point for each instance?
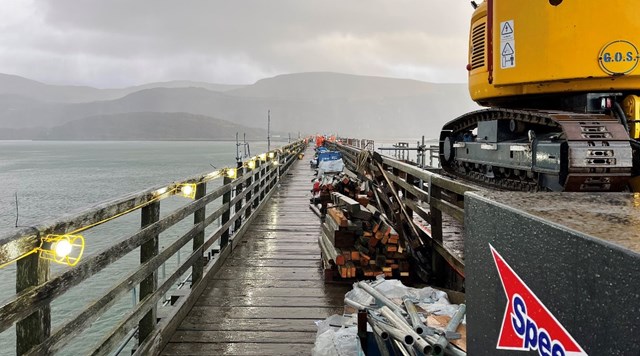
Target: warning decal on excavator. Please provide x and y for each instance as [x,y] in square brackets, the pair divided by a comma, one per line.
[618,57]
[507,45]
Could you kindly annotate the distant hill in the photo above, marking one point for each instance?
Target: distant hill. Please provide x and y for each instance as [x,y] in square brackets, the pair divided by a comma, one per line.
[349,105]
[181,84]
[15,85]
[327,85]
[22,112]
[148,126]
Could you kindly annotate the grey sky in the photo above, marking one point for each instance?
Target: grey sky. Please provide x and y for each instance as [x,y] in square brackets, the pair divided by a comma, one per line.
[113,43]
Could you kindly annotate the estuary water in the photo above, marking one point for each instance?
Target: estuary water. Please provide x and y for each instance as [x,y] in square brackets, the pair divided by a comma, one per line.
[53,178]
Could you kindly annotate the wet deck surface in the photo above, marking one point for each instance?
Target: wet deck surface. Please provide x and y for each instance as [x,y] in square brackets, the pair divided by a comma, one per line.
[453,236]
[270,291]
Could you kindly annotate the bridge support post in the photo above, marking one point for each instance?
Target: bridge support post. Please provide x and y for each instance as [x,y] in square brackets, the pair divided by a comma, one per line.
[247,197]
[226,198]
[273,173]
[148,250]
[239,188]
[438,263]
[34,329]
[263,179]
[198,240]
[257,178]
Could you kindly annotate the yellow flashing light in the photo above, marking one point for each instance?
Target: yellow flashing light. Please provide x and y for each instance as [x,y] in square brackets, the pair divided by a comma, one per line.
[62,249]
[187,190]
[272,154]
[251,164]
[263,157]
[232,173]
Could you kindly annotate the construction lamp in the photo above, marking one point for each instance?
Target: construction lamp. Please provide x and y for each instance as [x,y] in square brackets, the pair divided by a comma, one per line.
[232,173]
[187,190]
[62,249]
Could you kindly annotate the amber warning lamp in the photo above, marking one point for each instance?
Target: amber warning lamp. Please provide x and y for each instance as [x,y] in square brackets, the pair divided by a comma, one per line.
[187,190]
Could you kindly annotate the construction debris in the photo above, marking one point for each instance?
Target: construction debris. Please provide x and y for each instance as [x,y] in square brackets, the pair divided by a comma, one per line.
[398,320]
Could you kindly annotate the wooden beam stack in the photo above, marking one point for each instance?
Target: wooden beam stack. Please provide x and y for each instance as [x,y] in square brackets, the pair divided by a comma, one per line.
[363,242]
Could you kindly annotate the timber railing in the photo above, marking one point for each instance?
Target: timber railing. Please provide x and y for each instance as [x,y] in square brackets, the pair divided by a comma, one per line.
[243,192]
[426,193]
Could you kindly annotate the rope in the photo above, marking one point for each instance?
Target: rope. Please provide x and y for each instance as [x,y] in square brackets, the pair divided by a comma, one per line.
[361,161]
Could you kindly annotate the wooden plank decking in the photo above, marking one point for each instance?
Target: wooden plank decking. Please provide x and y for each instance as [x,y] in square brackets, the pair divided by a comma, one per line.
[265,299]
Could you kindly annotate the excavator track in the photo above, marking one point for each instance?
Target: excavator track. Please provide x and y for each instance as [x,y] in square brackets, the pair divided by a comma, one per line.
[529,150]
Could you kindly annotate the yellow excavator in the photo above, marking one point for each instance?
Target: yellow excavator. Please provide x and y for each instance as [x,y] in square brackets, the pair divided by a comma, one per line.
[561,82]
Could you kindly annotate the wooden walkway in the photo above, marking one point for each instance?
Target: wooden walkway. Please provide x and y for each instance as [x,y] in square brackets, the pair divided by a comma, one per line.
[265,299]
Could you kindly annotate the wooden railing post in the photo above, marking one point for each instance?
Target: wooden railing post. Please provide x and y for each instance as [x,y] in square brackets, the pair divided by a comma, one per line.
[148,250]
[226,198]
[198,217]
[405,193]
[270,170]
[436,215]
[34,329]
[257,178]
[263,178]
[247,197]
[438,263]
[275,172]
[240,172]
[278,171]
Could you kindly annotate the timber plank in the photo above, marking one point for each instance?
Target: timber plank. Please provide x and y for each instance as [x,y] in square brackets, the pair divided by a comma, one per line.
[257,253]
[261,283]
[261,301]
[275,263]
[304,248]
[216,292]
[288,255]
[293,254]
[272,276]
[293,228]
[275,243]
[282,325]
[246,349]
[208,312]
[270,272]
[257,336]
[284,235]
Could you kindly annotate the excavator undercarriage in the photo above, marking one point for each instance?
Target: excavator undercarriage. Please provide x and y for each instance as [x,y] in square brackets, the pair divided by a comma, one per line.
[538,150]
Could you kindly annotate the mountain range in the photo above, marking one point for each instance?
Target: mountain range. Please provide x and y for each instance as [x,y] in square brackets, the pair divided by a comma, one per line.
[348,105]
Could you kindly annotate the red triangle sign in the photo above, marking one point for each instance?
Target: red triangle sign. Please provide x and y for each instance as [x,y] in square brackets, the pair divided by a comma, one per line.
[527,323]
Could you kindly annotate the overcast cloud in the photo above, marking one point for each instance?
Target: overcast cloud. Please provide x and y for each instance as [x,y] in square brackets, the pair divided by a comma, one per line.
[115,43]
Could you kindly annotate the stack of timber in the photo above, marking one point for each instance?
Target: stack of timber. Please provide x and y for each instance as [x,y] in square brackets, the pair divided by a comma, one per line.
[358,242]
